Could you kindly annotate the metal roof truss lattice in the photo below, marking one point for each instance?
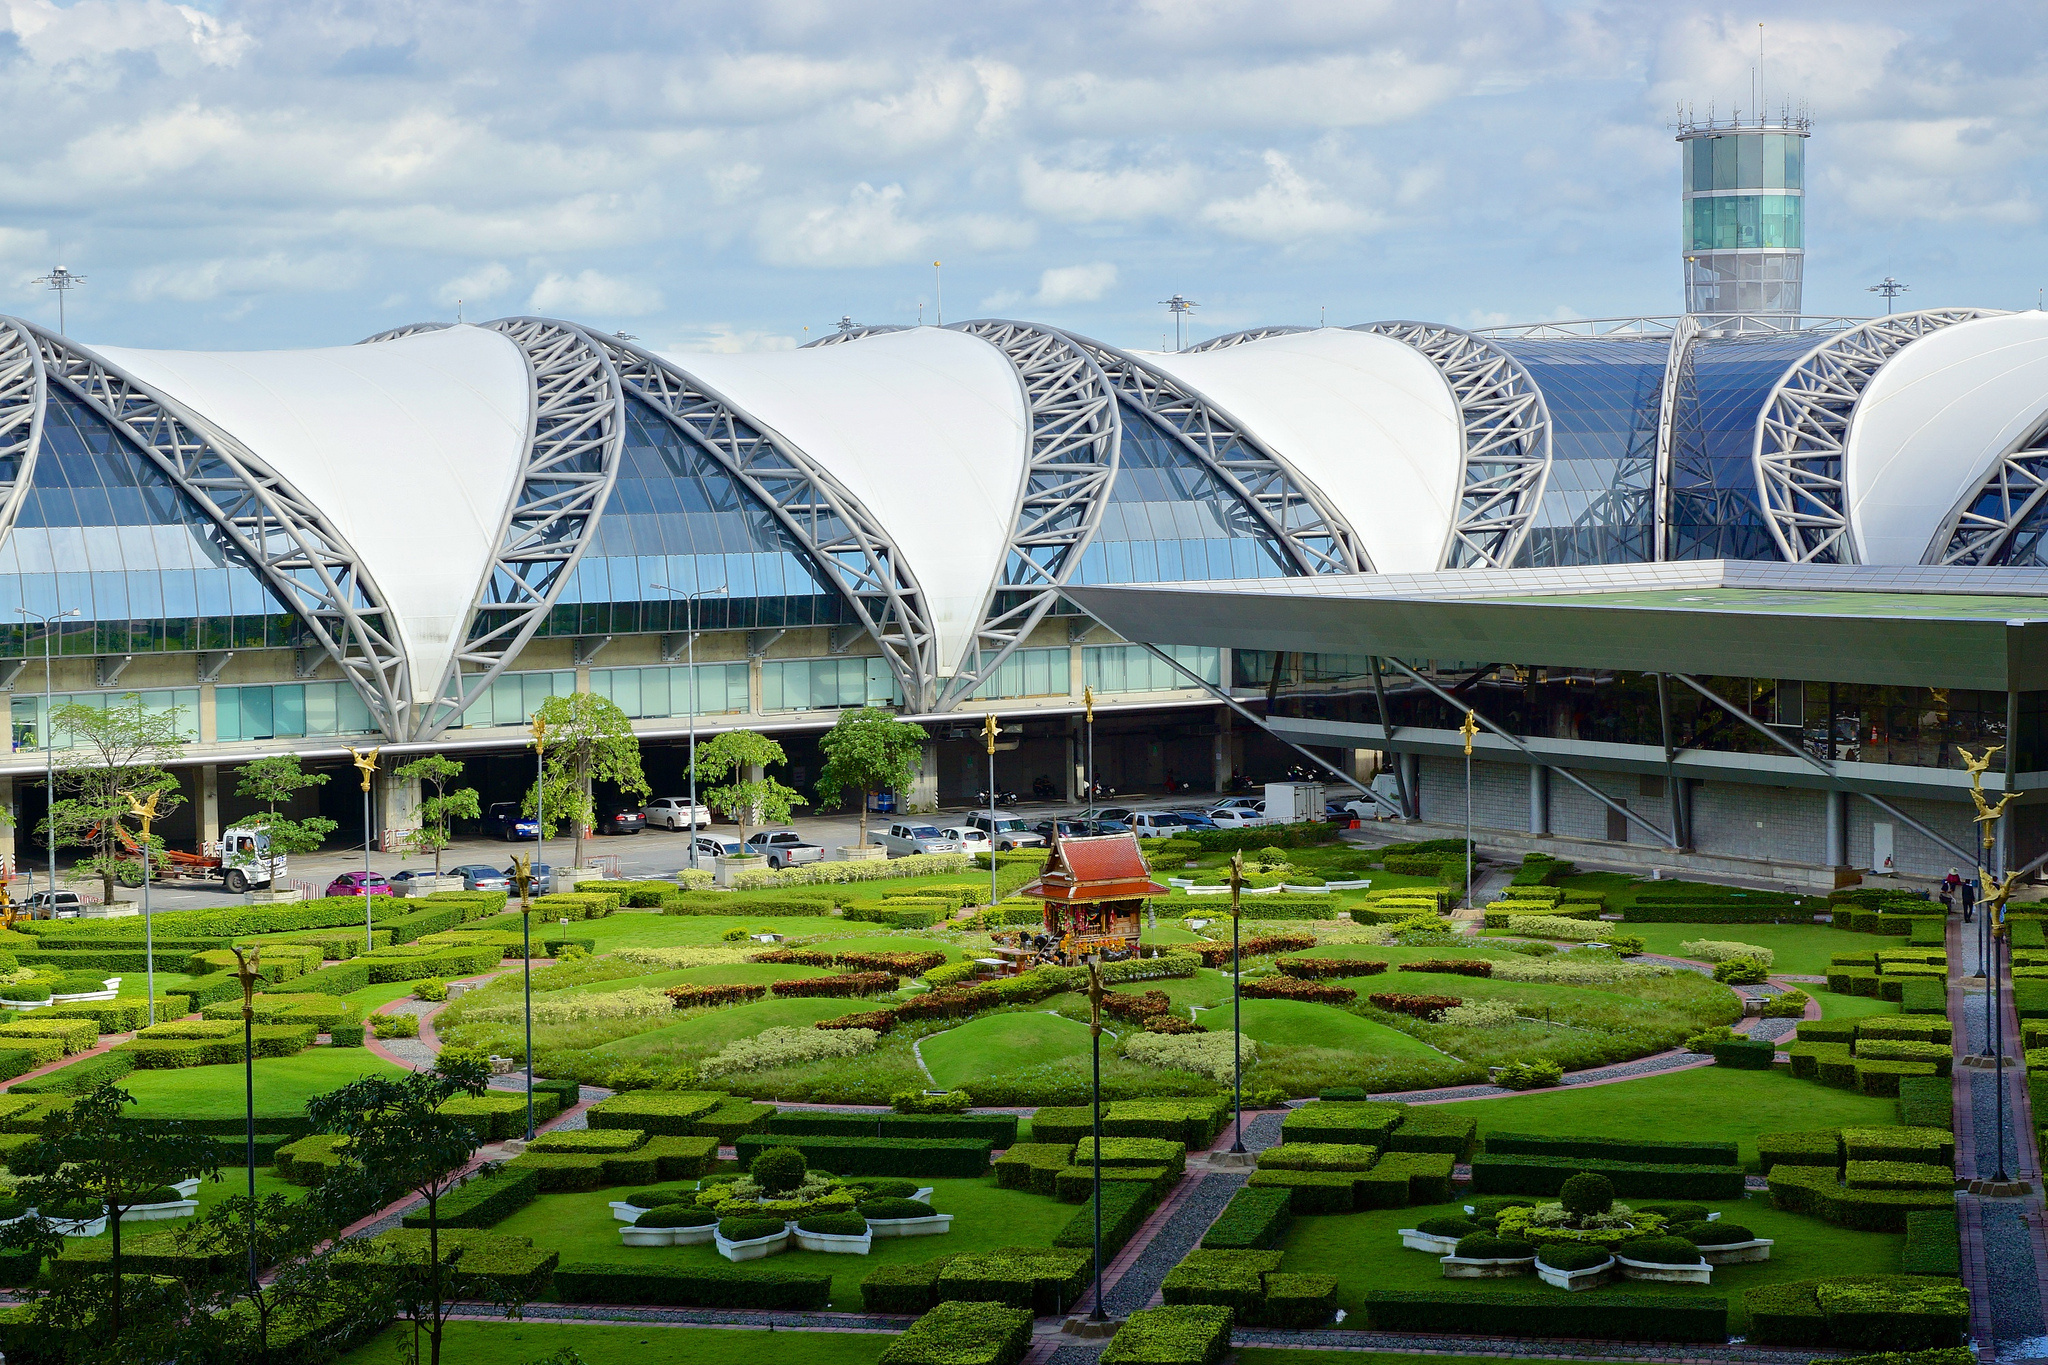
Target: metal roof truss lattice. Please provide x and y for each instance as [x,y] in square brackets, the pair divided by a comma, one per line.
[266,522]
[1506,427]
[1802,434]
[1976,533]
[23,387]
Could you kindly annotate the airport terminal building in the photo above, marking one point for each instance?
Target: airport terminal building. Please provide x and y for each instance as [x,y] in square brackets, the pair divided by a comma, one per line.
[412,540]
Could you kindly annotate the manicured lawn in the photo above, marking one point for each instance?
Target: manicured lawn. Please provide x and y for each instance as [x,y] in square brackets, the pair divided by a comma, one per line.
[234,1181]
[1301,1023]
[512,1343]
[1364,1251]
[1206,987]
[370,997]
[135,985]
[1169,933]
[738,973]
[1711,1103]
[581,1228]
[647,929]
[703,1034]
[1834,1006]
[1801,949]
[996,1044]
[897,943]
[283,1084]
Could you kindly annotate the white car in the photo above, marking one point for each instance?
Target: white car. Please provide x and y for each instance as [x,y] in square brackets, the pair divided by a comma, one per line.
[969,840]
[1007,831]
[905,839]
[1156,824]
[675,812]
[1250,803]
[718,846]
[1236,817]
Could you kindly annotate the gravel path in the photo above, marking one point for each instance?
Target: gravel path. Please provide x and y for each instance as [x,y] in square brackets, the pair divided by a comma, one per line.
[1171,1244]
[1521,1348]
[707,1317]
[2009,1266]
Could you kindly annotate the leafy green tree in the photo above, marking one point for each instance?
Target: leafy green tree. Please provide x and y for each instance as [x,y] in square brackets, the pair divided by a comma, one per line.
[399,1142]
[87,1161]
[234,1317]
[869,751]
[745,799]
[111,751]
[273,782]
[439,812]
[589,740]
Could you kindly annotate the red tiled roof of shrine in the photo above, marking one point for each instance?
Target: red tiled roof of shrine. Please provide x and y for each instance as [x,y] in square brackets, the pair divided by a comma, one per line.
[1104,867]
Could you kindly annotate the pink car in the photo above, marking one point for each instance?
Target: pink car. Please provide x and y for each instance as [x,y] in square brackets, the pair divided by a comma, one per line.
[359,884]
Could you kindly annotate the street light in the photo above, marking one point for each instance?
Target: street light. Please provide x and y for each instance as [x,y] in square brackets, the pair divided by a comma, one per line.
[246,973]
[48,737]
[366,763]
[62,282]
[540,796]
[989,731]
[690,669]
[1094,961]
[145,811]
[1236,1005]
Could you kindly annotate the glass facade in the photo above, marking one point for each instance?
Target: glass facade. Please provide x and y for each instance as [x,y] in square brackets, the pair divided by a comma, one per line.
[652,693]
[1725,222]
[1739,161]
[289,711]
[1917,727]
[513,697]
[30,726]
[826,684]
[103,531]
[1030,673]
[1598,504]
[675,517]
[1133,668]
[1169,521]
[1722,385]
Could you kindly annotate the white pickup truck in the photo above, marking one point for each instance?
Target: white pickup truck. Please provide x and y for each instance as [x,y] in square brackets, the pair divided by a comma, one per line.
[904,839]
[784,848]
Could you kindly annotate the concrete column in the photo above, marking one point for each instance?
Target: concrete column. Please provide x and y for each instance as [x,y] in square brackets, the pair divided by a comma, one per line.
[1682,811]
[924,792]
[1539,799]
[7,831]
[1074,772]
[209,805]
[754,686]
[1412,766]
[1835,852]
[208,731]
[396,801]
[1219,750]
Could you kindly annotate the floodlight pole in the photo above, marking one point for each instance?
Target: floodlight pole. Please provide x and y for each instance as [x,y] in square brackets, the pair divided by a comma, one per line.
[1088,711]
[1469,729]
[62,282]
[366,764]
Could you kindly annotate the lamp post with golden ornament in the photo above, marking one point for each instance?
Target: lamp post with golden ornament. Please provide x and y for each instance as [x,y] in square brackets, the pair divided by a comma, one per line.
[989,731]
[1470,730]
[1992,905]
[522,877]
[145,813]
[366,764]
[246,971]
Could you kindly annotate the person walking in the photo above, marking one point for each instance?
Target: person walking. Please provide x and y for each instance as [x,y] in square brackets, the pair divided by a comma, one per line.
[1969,894]
[1950,885]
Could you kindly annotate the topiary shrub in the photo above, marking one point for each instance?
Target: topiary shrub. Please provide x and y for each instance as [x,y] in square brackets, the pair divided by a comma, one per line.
[1448,1227]
[889,1209]
[921,1102]
[1528,1075]
[876,1187]
[1484,1246]
[778,1170]
[1487,1209]
[1742,971]
[1714,1234]
[747,1229]
[678,1216]
[395,1025]
[655,1199]
[432,988]
[1585,1194]
[1676,1213]
[832,1225]
[1661,1251]
[1571,1256]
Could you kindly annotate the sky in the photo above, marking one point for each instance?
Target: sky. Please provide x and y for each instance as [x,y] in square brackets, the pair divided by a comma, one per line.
[732,176]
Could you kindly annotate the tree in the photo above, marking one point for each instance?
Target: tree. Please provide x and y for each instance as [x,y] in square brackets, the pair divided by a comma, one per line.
[747,800]
[399,1142]
[89,1160]
[233,1318]
[589,739]
[439,811]
[274,781]
[113,750]
[870,751]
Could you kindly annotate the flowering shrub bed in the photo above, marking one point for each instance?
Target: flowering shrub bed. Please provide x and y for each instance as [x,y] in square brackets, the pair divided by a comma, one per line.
[1292,988]
[633,1003]
[881,1021]
[690,997]
[1574,971]
[1136,1008]
[851,983]
[1205,1054]
[825,874]
[1321,968]
[1720,950]
[1452,966]
[787,1047]
[1429,1007]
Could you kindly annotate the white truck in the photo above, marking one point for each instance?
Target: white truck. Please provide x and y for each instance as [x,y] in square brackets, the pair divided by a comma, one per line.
[243,859]
[1290,803]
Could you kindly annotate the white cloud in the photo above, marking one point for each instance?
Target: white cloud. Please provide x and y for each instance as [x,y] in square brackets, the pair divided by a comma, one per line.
[1075,284]
[868,229]
[241,276]
[485,282]
[1287,208]
[726,339]
[591,295]
[1088,195]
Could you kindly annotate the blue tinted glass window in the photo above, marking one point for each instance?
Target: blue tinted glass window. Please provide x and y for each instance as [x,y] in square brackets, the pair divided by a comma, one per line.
[1715,512]
[1168,520]
[1603,395]
[102,530]
[675,517]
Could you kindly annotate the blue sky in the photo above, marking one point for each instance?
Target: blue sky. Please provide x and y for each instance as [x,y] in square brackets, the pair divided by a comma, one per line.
[238,175]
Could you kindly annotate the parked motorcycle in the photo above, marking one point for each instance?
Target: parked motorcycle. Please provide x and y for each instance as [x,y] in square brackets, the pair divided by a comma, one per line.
[1002,798]
[1042,788]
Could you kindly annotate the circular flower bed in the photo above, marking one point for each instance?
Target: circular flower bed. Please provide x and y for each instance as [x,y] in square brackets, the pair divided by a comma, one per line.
[1571,1256]
[681,1216]
[1662,1251]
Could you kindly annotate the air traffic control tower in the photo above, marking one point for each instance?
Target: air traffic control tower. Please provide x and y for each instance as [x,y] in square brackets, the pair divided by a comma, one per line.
[1744,221]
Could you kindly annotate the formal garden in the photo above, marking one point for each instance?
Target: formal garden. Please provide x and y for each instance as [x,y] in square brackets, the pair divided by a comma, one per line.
[819,1093]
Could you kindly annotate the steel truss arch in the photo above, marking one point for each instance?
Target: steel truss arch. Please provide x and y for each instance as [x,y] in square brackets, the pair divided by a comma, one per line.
[1979,529]
[267,522]
[1506,428]
[1802,434]
[855,334]
[1075,443]
[1293,511]
[24,387]
[1677,375]
[576,428]
[806,503]
[1230,339]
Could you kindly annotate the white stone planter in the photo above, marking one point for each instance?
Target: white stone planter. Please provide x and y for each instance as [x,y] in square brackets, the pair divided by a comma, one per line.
[1665,1274]
[1358,885]
[668,1237]
[724,868]
[911,1227]
[861,853]
[626,1213]
[118,910]
[569,878]
[148,1213]
[1574,1279]
[187,1187]
[754,1248]
[1459,1268]
[1738,1253]
[27,1004]
[275,895]
[107,994]
[80,1227]
[836,1242]
[1416,1240]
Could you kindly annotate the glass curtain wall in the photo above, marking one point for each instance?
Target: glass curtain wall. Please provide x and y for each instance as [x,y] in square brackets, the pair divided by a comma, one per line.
[826,684]
[1598,504]
[1133,668]
[289,710]
[1716,508]
[30,723]
[653,693]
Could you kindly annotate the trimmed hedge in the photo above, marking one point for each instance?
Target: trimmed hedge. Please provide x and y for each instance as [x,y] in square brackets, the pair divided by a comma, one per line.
[1329,1121]
[1193,1122]
[1185,1334]
[1817,1147]
[1816,1190]
[1899,1143]
[1076,1184]
[693,1286]
[1932,1244]
[1545,1175]
[482,1201]
[1613,1149]
[963,1333]
[1891,1312]
[909,1288]
[1317,1156]
[1000,1129]
[1044,1280]
[499,1116]
[1253,1219]
[1926,1102]
[1746,1054]
[1428,1174]
[950,1157]
[657,1111]
[1432,1128]
[1033,1166]
[1523,1313]
[1314,1192]
[1125,1206]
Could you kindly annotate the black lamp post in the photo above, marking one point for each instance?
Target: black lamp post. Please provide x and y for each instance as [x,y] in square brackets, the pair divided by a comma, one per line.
[1236,1006]
[1095,1050]
[246,972]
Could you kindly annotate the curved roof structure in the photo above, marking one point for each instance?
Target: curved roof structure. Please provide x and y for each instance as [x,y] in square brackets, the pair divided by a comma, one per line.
[422,506]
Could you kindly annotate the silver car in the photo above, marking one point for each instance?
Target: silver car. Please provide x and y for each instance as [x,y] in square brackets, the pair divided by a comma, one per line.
[903,839]
[675,812]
